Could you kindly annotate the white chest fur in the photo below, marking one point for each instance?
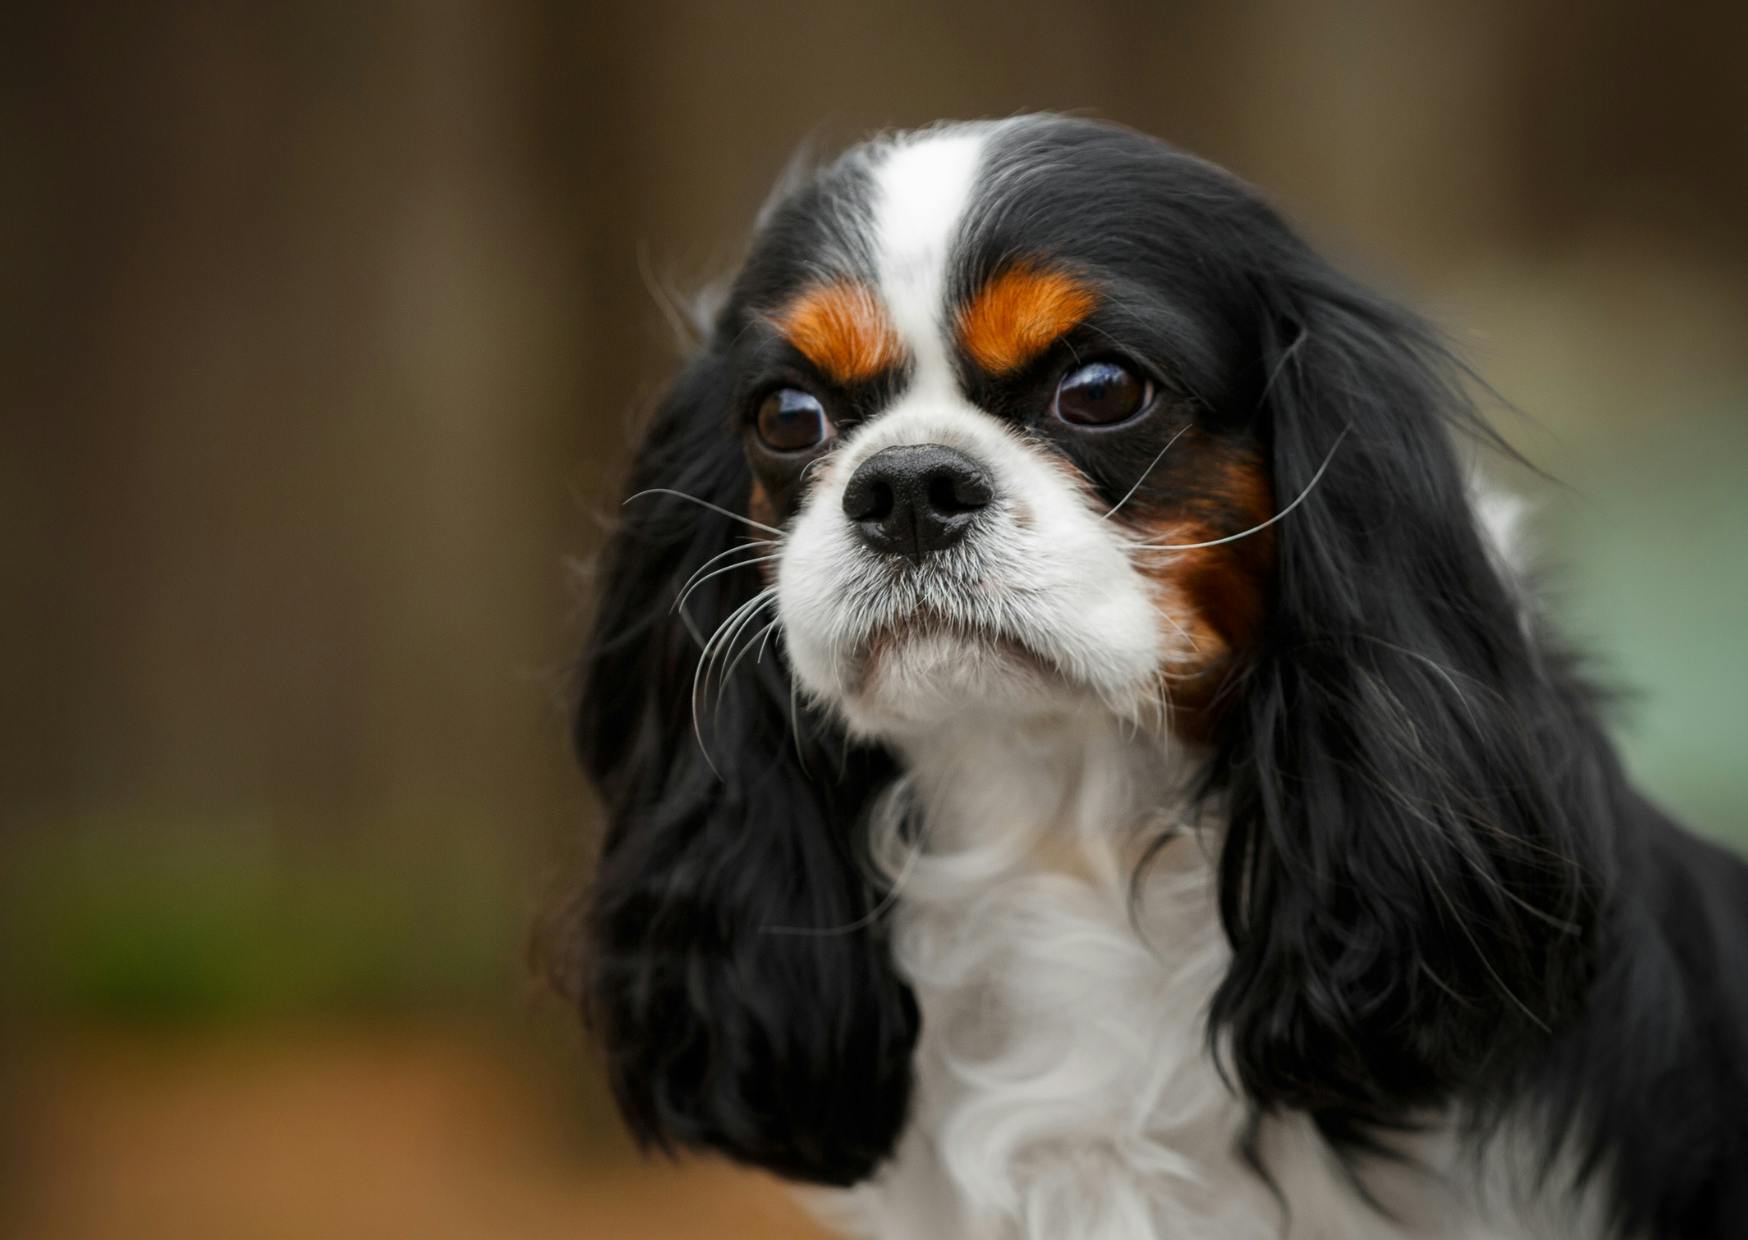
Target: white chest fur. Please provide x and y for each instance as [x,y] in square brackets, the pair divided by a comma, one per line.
[1064,1083]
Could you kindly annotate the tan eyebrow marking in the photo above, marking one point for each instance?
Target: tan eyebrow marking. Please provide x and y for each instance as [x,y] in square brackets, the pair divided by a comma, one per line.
[1019,314]
[843,329]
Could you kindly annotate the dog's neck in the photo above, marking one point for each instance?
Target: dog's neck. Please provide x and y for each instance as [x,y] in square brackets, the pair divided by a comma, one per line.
[1081,791]
[1062,1070]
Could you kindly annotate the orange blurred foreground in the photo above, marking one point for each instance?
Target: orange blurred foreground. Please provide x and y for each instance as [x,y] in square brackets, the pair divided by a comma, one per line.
[334,1136]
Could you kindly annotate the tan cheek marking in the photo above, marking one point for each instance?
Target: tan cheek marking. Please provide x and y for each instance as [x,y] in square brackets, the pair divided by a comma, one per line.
[1216,596]
[759,505]
[761,509]
[1019,314]
[841,328]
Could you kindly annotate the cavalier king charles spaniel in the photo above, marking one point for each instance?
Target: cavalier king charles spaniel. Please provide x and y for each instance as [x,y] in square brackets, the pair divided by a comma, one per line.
[1081,763]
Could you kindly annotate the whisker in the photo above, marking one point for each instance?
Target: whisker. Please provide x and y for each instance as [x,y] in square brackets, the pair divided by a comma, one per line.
[769,629]
[693,629]
[749,545]
[698,727]
[795,726]
[727,655]
[704,503]
[701,670]
[726,568]
[727,630]
[727,672]
[1257,529]
[730,633]
[1130,494]
[1181,631]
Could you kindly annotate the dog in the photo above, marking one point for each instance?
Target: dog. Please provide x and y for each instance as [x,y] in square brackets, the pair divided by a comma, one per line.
[1079,760]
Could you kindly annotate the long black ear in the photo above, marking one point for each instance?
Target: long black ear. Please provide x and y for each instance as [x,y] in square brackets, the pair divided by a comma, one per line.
[728,961]
[1409,880]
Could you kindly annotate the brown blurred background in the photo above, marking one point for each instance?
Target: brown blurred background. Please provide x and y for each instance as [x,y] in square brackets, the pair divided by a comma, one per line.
[324,330]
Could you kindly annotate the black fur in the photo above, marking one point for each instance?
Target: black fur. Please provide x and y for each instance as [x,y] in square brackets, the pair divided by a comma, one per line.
[789,1051]
[1440,891]
[1416,847]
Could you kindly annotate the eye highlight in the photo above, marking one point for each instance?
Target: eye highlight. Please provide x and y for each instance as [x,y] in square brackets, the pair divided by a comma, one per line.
[1101,393]
[791,420]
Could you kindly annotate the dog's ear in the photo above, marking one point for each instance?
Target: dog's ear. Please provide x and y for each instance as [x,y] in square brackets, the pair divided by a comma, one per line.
[1406,881]
[728,959]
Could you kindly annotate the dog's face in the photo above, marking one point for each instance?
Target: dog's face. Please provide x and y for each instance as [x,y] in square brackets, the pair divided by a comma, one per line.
[991,394]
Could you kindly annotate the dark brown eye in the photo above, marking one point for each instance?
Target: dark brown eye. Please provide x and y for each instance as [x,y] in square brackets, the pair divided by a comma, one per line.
[791,420]
[1101,394]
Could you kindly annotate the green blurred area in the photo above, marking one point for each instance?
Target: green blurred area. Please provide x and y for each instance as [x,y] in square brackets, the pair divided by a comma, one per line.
[1656,587]
[185,925]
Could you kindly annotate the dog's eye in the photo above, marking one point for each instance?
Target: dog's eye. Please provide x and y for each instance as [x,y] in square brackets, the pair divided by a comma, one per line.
[1101,394]
[791,420]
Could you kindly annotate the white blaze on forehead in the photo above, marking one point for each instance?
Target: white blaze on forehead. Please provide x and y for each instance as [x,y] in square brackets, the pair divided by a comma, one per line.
[923,187]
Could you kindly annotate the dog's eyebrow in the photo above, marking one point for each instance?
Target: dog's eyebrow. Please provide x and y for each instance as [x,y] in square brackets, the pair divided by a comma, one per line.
[843,329]
[1020,313]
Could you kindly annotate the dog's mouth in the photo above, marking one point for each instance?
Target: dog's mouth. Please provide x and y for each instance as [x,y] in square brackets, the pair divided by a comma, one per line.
[958,637]
[953,647]
[893,637]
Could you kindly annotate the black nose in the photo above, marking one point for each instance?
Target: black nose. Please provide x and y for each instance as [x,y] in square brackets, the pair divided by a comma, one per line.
[913,500]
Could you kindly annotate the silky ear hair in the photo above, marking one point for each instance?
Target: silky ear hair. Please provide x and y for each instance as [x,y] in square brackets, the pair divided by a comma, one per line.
[790,1052]
[1407,881]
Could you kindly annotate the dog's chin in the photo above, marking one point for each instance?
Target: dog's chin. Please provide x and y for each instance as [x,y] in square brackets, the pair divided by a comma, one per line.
[910,681]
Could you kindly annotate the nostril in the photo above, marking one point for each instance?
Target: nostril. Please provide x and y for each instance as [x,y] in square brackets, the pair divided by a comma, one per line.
[952,492]
[943,495]
[868,497]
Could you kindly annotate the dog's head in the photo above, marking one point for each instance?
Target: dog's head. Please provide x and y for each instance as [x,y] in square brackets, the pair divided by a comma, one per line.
[1031,418]
[997,385]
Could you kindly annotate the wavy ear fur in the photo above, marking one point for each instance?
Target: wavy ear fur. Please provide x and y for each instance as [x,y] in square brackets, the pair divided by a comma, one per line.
[788,1051]
[1408,882]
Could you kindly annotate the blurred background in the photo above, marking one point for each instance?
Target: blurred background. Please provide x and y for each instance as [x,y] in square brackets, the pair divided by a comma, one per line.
[325,328]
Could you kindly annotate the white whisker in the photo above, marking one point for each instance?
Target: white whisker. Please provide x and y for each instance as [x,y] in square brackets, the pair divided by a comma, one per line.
[707,657]
[1130,494]
[1257,529]
[769,629]
[697,727]
[730,633]
[727,568]
[795,727]
[704,503]
[749,545]
[728,671]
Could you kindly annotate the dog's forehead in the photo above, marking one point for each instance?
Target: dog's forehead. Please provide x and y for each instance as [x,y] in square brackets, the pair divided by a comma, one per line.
[901,253]
[855,268]
[922,192]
